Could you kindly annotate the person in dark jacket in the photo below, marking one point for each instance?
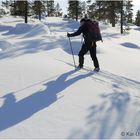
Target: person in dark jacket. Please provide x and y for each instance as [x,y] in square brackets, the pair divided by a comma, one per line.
[88,45]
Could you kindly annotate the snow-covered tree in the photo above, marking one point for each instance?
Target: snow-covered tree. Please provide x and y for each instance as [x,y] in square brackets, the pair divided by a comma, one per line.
[128,12]
[83,9]
[50,7]
[58,10]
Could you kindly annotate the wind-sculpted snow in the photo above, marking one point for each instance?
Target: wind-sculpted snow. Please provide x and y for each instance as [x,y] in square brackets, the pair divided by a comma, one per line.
[5,45]
[23,36]
[38,30]
[28,30]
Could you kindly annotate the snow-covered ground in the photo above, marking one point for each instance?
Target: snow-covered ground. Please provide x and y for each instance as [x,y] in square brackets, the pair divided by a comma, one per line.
[42,96]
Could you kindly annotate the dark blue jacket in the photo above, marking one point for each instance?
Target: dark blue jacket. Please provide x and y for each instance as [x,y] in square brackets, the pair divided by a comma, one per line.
[84,30]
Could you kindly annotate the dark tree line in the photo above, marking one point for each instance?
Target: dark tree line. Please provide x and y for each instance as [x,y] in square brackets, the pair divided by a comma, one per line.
[111,11]
[36,7]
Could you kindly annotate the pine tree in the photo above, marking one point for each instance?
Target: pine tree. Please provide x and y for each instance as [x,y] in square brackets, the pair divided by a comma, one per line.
[13,7]
[112,10]
[38,8]
[99,5]
[19,8]
[71,11]
[137,21]
[128,14]
[74,9]
[96,10]
[104,10]
[50,7]
[83,9]
[2,10]
[58,10]
[6,4]
[92,11]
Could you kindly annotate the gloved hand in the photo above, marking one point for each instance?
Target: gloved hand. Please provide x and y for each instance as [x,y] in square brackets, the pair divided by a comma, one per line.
[68,35]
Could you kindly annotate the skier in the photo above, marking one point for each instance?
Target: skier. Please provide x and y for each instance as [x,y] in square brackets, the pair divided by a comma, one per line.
[88,45]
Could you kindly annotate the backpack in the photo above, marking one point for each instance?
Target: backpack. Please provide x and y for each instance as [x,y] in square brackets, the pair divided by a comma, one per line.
[94,30]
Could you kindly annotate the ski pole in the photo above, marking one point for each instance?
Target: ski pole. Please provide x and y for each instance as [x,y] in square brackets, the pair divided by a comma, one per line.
[72,53]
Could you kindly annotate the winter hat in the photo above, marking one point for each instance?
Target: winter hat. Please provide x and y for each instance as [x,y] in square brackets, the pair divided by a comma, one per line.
[83,20]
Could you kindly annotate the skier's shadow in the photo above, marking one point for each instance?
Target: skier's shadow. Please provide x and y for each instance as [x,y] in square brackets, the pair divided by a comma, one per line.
[12,112]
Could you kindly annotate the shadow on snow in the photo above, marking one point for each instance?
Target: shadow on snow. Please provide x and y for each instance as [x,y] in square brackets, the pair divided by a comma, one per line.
[12,112]
[115,114]
[130,45]
[37,45]
[137,29]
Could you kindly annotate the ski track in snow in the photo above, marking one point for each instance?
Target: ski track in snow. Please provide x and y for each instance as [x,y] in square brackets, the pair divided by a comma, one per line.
[64,102]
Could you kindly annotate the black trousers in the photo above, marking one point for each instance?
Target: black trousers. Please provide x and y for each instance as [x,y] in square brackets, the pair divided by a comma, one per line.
[91,47]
